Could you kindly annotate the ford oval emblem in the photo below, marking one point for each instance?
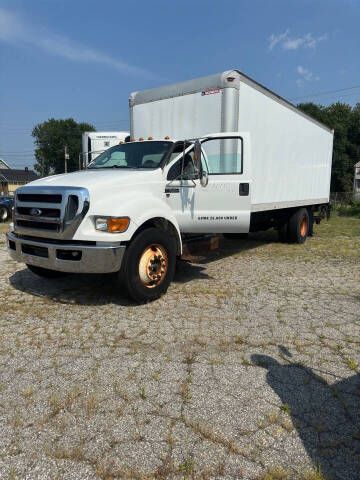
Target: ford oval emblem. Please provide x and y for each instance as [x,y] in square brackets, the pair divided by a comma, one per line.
[35,211]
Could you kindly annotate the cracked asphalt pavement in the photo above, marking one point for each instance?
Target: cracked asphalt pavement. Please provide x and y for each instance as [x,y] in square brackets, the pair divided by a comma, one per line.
[248,368]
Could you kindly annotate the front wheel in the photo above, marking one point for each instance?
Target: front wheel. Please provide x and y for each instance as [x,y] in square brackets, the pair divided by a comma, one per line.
[45,272]
[149,265]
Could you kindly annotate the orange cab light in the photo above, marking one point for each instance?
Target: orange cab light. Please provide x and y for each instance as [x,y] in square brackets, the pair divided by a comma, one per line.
[141,139]
[118,224]
[132,139]
[150,138]
[121,142]
[167,137]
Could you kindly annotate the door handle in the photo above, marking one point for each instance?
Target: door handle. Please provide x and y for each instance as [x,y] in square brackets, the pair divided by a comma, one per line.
[244,189]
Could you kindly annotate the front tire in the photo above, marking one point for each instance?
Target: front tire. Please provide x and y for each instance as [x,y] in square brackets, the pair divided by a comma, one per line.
[299,226]
[45,272]
[149,265]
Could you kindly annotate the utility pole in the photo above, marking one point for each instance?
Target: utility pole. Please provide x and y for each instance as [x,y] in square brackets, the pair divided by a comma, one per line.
[66,157]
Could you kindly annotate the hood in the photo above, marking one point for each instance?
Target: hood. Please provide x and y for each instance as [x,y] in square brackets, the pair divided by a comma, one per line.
[99,179]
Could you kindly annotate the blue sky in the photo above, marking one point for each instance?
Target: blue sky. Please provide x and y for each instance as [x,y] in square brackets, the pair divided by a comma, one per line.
[82,58]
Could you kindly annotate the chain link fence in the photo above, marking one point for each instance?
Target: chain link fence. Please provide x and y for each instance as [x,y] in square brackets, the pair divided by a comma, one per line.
[342,199]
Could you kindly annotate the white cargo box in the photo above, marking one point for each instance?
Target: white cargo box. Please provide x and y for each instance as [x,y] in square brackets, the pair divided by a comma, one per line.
[290,153]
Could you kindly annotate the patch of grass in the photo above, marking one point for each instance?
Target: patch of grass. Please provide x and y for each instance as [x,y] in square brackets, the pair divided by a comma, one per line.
[338,238]
[274,473]
[187,468]
[351,210]
[185,391]
[4,228]
[350,362]
[285,407]
[206,432]
[314,474]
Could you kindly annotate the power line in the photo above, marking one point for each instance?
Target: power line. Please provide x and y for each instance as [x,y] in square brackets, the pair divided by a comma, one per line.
[325,93]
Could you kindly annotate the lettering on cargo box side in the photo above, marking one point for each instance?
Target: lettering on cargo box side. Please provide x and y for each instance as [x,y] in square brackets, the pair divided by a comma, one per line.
[210,92]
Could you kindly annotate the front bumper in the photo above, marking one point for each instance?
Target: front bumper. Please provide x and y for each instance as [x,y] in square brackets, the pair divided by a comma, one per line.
[66,257]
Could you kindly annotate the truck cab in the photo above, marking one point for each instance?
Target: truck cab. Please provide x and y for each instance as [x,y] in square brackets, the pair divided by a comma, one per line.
[128,211]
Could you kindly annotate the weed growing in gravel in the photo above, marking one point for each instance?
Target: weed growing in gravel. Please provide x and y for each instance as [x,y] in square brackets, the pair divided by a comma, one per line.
[351,363]
[274,473]
[314,474]
[187,468]
[286,408]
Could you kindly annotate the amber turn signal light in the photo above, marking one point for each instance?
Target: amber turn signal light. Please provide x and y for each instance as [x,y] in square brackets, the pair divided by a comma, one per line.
[118,224]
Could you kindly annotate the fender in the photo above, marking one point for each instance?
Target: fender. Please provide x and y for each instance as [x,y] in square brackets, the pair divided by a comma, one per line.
[155,208]
[138,205]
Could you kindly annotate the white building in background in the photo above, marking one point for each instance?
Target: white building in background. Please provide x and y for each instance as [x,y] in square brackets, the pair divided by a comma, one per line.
[3,164]
[94,143]
[357,178]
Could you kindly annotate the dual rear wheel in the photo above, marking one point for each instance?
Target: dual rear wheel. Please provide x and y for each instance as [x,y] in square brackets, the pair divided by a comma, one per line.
[297,228]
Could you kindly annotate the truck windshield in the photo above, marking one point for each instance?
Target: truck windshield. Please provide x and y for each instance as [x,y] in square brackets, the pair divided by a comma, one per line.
[133,155]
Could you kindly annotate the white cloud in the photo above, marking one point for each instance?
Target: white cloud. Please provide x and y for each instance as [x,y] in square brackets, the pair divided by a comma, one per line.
[15,31]
[286,42]
[273,40]
[305,75]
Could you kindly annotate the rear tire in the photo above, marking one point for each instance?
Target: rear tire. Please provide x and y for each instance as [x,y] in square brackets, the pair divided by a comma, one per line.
[45,272]
[4,214]
[299,226]
[149,265]
[235,236]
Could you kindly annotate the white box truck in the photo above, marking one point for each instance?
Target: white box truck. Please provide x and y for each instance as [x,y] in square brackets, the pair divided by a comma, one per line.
[220,154]
[94,143]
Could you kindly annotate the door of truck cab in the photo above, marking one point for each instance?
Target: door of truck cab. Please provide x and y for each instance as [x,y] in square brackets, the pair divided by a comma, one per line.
[223,205]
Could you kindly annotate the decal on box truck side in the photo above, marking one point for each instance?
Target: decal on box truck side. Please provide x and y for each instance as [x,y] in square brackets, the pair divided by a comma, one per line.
[210,92]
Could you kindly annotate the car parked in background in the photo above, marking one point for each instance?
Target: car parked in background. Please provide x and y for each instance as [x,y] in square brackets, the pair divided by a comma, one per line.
[6,204]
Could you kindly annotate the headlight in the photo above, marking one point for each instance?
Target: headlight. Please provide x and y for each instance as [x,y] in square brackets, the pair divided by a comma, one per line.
[112,224]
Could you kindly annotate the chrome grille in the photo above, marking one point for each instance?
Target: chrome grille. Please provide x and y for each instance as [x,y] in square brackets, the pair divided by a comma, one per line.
[54,212]
[34,198]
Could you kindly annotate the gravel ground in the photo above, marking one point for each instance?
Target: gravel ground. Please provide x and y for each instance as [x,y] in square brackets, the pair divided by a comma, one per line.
[247,369]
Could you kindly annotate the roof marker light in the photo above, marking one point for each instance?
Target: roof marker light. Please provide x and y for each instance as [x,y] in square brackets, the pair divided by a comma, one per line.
[141,139]
[167,137]
[132,139]
[150,138]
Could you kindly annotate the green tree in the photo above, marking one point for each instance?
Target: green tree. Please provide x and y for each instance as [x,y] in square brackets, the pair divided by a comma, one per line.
[345,121]
[50,140]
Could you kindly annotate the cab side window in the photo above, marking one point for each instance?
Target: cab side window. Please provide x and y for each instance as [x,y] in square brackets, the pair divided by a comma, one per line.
[224,155]
[188,171]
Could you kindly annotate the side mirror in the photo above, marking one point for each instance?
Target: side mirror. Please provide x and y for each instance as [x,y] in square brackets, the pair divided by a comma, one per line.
[204,178]
[197,155]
